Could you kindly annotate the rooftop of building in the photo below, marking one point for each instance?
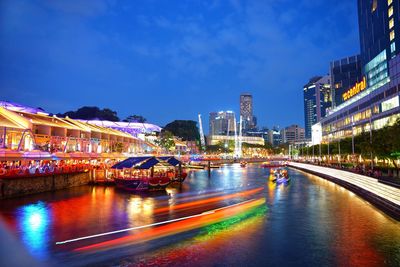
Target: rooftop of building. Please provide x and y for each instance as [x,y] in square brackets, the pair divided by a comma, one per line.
[318,79]
[345,60]
[39,116]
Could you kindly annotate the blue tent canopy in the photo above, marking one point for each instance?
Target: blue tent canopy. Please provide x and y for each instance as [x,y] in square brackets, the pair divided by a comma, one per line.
[171,160]
[148,163]
[136,162]
[144,162]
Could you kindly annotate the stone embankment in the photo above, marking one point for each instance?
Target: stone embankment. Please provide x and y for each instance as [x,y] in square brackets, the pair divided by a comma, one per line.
[19,186]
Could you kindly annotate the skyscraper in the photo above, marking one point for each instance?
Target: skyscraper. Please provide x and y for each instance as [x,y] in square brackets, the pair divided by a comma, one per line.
[292,134]
[378,24]
[246,110]
[373,102]
[344,73]
[220,121]
[317,99]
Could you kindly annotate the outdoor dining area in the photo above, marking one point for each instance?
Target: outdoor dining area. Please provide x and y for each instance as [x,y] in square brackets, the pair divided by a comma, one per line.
[16,164]
[34,143]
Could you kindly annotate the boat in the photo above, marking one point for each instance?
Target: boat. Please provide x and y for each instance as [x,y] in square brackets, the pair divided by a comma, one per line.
[148,173]
[273,164]
[202,165]
[280,175]
[243,164]
[198,167]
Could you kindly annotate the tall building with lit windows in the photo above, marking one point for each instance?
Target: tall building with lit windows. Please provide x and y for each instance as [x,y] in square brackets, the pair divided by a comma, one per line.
[222,123]
[372,102]
[317,99]
[246,111]
[345,72]
[292,134]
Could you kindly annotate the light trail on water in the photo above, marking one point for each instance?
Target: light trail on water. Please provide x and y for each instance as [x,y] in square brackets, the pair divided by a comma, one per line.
[170,227]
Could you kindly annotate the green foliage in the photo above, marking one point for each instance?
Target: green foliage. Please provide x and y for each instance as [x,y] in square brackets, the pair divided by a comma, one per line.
[248,145]
[282,148]
[92,113]
[135,118]
[185,129]
[215,148]
[166,140]
[382,143]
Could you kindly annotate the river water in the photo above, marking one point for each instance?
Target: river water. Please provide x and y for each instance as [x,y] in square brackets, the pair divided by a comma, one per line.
[236,217]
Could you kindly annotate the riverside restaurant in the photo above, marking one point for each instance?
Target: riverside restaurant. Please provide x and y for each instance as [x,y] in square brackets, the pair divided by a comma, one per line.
[34,142]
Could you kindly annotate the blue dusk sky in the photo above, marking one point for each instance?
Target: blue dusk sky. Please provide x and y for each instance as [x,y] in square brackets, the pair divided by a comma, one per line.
[171,59]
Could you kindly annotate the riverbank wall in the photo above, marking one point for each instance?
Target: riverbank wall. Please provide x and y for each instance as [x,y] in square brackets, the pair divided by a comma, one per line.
[380,201]
[20,186]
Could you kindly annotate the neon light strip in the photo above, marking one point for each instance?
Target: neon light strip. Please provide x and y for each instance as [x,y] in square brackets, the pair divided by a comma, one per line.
[370,184]
[151,225]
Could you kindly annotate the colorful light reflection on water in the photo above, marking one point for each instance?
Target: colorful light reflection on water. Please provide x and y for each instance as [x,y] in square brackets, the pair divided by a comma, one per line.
[34,226]
[307,222]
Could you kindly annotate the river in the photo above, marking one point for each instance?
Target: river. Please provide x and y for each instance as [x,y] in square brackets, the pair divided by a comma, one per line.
[236,217]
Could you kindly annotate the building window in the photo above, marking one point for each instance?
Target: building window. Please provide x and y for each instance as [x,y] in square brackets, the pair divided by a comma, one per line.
[390,104]
[392,47]
[374,5]
[391,23]
[390,2]
[391,35]
[390,12]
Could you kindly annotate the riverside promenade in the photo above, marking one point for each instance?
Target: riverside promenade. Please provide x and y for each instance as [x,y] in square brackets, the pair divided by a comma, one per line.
[383,196]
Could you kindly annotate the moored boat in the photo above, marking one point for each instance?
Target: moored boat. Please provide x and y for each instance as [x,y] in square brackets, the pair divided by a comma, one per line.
[243,164]
[148,173]
[273,164]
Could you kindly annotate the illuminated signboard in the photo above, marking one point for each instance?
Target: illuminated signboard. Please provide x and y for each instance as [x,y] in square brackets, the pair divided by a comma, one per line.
[357,88]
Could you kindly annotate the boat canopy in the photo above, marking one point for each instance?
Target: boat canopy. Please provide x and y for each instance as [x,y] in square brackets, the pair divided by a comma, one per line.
[144,162]
[171,160]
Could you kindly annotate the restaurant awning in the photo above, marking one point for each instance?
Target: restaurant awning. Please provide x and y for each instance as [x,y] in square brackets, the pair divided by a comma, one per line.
[45,120]
[13,120]
[8,154]
[36,155]
[170,159]
[61,155]
[79,155]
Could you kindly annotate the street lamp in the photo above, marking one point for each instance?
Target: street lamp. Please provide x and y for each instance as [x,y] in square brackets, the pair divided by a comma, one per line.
[312,143]
[352,138]
[329,139]
[340,165]
[319,152]
[370,139]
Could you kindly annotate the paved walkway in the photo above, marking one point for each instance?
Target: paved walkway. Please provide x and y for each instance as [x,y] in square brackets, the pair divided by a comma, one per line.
[369,184]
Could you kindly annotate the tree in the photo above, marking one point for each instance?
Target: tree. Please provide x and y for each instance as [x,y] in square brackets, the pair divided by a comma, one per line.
[386,143]
[135,118]
[185,129]
[92,113]
[282,148]
[219,148]
[166,140]
[108,114]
